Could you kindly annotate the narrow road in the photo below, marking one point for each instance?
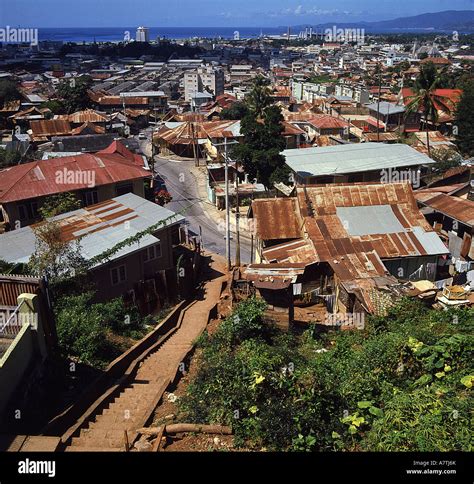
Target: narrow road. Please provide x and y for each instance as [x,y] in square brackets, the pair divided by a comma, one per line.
[182,185]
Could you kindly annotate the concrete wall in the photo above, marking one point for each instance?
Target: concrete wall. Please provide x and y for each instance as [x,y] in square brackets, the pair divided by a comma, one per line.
[14,363]
[28,345]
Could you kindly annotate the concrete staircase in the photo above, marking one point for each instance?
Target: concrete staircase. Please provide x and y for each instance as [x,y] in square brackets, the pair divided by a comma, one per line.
[130,409]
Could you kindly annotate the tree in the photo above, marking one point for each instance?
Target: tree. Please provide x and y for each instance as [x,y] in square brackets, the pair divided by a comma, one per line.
[425,99]
[9,158]
[55,258]
[58,204]
[237,111]
[465,120]
[55,106]
[262,127]
[8,91]
[73,93]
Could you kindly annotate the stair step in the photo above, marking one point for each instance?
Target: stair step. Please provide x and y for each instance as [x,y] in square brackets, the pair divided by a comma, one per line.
[94,449]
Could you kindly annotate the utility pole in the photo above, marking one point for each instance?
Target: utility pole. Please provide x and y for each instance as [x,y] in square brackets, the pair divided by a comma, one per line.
[227,204]
[195,150]
[237,216]
[227,207]
[378,101]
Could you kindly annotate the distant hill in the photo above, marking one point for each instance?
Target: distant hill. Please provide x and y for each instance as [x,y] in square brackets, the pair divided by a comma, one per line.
[460,20]
[448,21]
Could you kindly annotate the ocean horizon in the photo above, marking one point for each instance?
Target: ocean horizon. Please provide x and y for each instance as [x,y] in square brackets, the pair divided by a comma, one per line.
[117,34]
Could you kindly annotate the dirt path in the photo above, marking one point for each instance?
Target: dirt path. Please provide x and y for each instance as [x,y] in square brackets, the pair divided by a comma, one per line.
[128,410]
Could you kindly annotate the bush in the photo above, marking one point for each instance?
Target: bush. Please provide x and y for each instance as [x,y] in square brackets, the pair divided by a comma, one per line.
[83,327]
[402,384]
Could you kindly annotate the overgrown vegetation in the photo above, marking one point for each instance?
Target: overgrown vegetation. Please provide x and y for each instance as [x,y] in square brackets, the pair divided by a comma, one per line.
[465,120]
[9,158]
[404,383]
[8,91]
[96,333]
[73,94]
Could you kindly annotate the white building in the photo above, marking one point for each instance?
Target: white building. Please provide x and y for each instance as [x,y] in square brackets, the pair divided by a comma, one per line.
[208,78]
[143,34]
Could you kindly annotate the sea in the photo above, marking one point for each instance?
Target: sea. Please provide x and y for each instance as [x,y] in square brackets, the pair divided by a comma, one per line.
[117,34]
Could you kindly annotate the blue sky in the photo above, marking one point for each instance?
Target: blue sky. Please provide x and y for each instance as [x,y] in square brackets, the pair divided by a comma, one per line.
[210,13]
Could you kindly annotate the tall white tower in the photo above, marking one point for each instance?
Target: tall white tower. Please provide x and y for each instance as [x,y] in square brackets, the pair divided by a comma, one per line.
[143,34]
[236,35]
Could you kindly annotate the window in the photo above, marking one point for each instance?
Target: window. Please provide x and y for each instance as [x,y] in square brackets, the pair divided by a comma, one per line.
[152,252]
[124,188]
[28,211]
[90,197]
[118,275]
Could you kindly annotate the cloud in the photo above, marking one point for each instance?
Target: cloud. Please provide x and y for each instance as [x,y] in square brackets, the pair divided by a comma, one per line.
[300,10]
[297,11]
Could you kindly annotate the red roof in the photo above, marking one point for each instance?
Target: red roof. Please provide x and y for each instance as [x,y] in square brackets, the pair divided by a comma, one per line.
[450,97]
[325,121]
[41,178]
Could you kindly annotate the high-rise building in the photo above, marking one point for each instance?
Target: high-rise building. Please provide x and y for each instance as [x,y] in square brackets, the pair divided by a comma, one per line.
[208,78]
[143,34]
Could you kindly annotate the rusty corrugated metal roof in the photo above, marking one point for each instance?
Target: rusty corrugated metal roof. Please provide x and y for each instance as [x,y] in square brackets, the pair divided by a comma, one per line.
[40,178]
[273,276]
[50,127]
[11,286]
[87,116]
[385,224]
[459,209]
[296,251]
[277,218]
[331,235]
[88,126]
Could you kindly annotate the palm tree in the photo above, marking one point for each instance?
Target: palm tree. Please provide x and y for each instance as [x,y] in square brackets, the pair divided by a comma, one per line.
[259,97]
[424,99]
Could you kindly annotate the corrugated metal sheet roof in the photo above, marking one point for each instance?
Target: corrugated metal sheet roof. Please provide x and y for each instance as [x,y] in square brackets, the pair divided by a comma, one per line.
[391,238]
[40,178]
[50,127]
[185,132]
[456,208]
[352,158]
[386,108]
[273,276]
[88,116]
[89,127]
[277,218]
[297,251]
[99,227]
[351,227]
[11,286]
